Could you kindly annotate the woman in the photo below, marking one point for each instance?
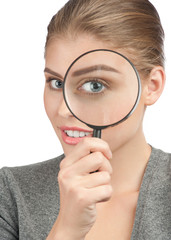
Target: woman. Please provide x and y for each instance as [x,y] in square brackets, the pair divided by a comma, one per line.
[128,197]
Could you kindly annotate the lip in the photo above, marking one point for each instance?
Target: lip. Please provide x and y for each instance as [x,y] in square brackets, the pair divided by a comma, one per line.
[71,140]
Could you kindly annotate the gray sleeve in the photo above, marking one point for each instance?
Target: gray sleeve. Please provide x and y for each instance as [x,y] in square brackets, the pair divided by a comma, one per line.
[8,210]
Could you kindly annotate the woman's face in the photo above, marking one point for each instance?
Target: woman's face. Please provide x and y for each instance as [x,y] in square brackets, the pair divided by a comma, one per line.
[60,53]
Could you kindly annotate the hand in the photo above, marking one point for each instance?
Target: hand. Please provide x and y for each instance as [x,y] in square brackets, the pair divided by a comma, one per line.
[80,190]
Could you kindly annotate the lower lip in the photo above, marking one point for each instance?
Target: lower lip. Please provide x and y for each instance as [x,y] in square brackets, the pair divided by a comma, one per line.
[72,140]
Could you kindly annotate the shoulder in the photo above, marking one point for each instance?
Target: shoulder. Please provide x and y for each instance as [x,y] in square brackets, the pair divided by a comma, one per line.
[160,165]
[29,179]
[25,190]
[153,211]
[157,175]
[31,172]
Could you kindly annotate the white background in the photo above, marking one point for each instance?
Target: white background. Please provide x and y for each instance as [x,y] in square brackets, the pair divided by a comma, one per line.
[26,135]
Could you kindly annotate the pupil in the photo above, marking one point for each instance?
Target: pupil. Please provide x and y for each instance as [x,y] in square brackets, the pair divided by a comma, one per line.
[58,84]
[95,87]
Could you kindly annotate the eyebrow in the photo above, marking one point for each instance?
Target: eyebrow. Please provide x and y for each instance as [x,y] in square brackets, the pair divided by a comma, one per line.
[84,70]
[94,68]
[48,70]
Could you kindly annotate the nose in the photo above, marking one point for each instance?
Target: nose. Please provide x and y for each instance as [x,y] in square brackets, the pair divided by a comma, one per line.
[63,110]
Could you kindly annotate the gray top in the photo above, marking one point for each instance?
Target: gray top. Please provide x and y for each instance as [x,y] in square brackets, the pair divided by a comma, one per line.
[29,200]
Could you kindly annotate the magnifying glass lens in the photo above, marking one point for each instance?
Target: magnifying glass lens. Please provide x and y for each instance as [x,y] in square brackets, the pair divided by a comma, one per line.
[101,88]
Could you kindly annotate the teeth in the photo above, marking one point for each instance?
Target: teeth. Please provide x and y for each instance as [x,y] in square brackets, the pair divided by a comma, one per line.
[76,134]
[82,134]
[69,133]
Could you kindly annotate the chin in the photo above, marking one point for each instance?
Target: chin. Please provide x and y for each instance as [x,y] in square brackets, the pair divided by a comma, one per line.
[67,148]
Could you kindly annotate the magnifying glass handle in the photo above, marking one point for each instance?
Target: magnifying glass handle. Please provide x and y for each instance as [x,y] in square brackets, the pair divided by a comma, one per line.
[97,133]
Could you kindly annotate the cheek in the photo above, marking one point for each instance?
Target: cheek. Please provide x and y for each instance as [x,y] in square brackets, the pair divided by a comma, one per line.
[51,104]
[124,132]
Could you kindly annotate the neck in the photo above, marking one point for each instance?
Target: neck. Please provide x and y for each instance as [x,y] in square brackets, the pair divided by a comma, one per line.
[129,163]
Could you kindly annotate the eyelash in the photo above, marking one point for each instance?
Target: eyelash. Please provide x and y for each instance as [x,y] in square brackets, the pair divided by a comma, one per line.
[94,80]
[49,80]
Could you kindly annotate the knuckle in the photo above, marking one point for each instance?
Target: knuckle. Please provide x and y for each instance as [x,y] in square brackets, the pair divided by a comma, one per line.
[90,143]
[99,157]
[78,195]
[105,193]
[81,198]
[106,176]
[62,163]
[86,144]
[72,190]
[63,175]
[108,190]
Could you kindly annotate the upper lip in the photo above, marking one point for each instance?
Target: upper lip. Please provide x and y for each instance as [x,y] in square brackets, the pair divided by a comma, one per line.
[64,128]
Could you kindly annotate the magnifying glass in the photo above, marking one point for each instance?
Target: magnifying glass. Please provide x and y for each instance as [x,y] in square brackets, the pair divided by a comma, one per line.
[102,88]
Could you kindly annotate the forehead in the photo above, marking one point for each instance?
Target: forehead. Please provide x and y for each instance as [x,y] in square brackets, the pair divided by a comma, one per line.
[61,52]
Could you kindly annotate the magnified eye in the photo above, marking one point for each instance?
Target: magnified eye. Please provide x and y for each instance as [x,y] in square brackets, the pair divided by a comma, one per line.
[92,87]
[56,84]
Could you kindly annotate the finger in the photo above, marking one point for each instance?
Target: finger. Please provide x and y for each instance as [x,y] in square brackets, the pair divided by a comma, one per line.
[99,194]
[91,163]
[84,148]
[96,179]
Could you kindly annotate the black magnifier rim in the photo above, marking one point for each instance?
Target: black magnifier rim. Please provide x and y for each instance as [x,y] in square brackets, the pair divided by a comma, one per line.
[138,94]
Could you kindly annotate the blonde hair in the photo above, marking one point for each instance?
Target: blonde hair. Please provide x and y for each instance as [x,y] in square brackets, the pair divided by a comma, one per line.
[133,25]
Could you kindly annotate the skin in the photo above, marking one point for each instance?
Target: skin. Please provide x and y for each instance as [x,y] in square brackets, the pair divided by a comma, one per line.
[121,156]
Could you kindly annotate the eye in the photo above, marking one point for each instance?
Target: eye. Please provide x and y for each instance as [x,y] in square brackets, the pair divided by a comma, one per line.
[92,87]
[55,83]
